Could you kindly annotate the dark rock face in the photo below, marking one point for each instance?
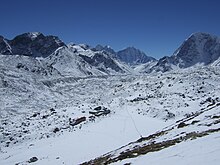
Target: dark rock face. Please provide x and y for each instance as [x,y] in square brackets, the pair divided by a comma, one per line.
[181,125]
[162,65]
[199,48]
[4,46]
[130,55]
[84,46]
[104,59]
[31,44]
[107,49]
[133,56]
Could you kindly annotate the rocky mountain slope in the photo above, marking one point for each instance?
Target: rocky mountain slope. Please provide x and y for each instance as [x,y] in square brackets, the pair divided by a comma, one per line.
[198,49]
[78,61]
[5,48]
[33,44]
[65,60]
[129,55]
[106,49]
[133,56]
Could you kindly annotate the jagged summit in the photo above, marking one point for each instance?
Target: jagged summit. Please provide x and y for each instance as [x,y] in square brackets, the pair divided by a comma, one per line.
[106,48]
[201,35]
[33,44]
[129,55]
[31,35]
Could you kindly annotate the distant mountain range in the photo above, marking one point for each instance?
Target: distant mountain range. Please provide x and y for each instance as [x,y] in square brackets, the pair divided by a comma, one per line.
[84,60]
[129,55]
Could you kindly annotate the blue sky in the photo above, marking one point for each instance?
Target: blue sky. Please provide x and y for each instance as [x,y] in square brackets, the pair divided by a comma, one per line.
[157,27]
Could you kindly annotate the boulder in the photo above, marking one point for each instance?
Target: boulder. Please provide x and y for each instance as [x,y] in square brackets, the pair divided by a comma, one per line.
[100,111]
[77,121]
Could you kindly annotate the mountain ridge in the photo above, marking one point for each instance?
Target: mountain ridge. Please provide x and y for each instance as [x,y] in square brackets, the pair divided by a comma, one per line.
[198,49]
[30,44]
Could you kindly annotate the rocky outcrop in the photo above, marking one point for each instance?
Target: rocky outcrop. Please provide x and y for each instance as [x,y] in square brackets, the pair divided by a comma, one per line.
[4,46]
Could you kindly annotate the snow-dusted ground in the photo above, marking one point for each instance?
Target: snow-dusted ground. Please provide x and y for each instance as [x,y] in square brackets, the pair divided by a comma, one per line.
[84,144]
[36,111]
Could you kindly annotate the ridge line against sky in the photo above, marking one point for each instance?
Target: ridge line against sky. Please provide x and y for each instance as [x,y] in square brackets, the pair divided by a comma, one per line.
[156,27]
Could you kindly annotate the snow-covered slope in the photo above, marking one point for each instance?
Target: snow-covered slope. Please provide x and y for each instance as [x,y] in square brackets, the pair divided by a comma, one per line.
[201,151]
[145,68]
[216,62]
[68,63]
[20,84]
[50,52]
[79,103]
[72,120]
[79,60]
[181,134]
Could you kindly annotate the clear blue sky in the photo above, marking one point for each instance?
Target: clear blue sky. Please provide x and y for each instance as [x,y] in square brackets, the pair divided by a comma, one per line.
[157,27]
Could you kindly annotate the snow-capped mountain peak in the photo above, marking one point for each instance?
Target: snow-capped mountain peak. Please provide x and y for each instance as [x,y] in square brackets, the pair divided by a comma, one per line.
[33,35]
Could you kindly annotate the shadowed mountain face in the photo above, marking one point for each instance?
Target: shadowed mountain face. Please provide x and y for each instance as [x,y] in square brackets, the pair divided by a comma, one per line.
[4,46]
[30,44]
[199,48]
[133,56]
[130,55]
[105,60]
[105,48]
